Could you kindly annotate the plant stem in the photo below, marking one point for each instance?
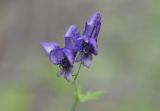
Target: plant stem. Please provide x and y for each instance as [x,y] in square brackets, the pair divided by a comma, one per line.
[76,90]
[75,104]
[77,72]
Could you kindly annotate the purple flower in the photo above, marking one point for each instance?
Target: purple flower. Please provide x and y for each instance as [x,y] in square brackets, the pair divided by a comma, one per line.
[92,26]
[87,44]
[77,48]
[64,57]
[71,37]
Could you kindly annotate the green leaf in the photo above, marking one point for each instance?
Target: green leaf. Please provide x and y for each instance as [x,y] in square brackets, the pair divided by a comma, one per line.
[89,96]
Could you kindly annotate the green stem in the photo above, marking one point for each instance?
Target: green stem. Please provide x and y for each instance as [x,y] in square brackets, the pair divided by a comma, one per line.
[77,72]
[76,102]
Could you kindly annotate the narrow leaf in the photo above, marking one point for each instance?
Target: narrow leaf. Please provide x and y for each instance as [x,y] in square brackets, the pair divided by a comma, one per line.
[89,96]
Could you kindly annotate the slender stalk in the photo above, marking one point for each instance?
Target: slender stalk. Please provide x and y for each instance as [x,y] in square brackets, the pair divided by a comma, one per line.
[77,72]
[76,102]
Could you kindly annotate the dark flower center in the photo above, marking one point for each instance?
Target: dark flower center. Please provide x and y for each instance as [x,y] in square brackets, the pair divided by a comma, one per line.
[87,48]
[64,64]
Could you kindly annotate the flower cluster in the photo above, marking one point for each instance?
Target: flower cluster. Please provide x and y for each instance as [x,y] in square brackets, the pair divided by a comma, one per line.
[78,48]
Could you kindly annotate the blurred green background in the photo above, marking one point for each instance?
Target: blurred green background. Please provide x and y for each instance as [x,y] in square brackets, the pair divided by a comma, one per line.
[127,68]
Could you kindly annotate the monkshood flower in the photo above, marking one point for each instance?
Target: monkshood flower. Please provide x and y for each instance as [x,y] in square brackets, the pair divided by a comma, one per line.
[92,26]
[64,57]
[71,37]
[87,44]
